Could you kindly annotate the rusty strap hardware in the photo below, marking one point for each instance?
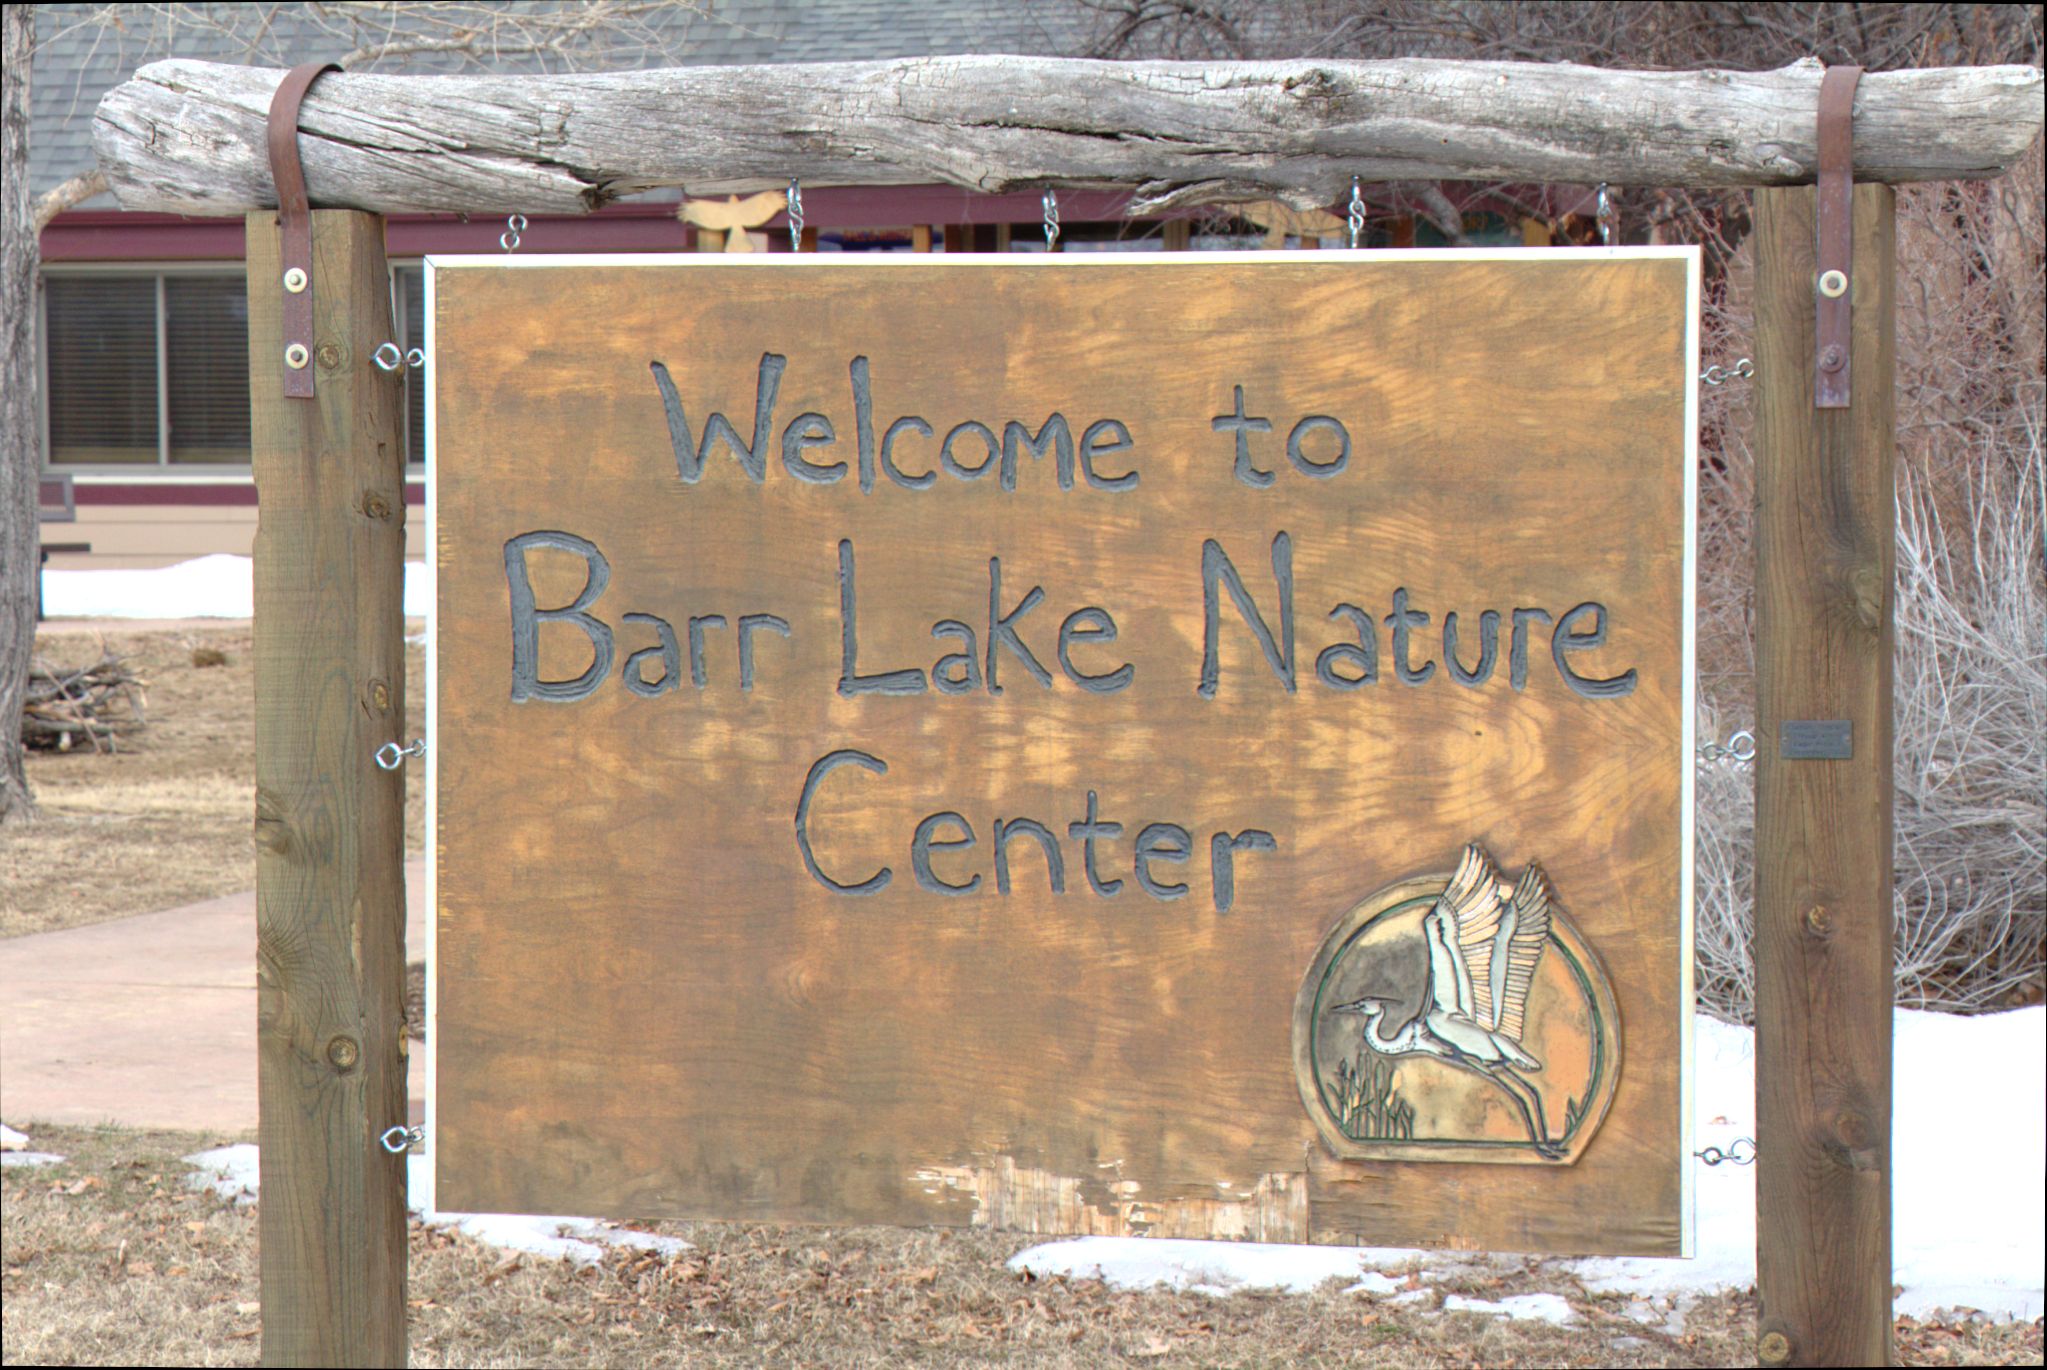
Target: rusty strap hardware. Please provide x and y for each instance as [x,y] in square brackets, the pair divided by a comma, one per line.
[296,220]
[1833,297]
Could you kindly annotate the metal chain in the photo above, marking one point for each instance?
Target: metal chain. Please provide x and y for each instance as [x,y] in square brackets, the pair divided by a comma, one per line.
[1720,375]
[1740,749]
[795,215]
[1357,212]
[1609,217]
[1051,203]
[1741,1151]
[515,224]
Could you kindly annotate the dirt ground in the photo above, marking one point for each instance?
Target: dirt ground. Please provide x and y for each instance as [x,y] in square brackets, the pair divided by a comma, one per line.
[111,1259]
[164,820]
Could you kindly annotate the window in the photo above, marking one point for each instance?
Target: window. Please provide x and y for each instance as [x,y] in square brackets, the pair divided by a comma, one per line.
[144,369]
[151,368]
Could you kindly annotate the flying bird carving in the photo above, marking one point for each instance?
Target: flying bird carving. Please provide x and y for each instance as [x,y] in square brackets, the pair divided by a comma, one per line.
[734,216]
[1484,941]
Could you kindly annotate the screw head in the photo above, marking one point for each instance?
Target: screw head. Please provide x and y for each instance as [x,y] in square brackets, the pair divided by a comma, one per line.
[343,1053]
[296,356]
[295,281]
[1833,283]
[1833,358]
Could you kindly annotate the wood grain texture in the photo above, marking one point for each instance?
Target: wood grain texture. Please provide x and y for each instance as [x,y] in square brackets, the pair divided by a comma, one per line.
[647,1006]
[330,894]
[187,136]
[1824,574]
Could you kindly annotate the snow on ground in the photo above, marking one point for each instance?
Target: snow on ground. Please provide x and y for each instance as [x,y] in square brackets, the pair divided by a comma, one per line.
[1969,1138]
[217,586]
[1549,1308]
[10,1140]
[1969,1197]
[11,1159]
[231,1173]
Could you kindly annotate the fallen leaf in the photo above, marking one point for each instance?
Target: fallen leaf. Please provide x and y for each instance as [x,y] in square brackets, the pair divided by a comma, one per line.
[249,1308]
[248,1335]
[928,1275]
[176,1271]
[1153,1348]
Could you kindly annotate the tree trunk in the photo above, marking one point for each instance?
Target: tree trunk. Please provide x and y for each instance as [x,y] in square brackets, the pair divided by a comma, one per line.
[187,137]
[20,438]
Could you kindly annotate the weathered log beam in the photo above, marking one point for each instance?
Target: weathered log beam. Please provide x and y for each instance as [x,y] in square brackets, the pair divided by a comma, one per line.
[187,137]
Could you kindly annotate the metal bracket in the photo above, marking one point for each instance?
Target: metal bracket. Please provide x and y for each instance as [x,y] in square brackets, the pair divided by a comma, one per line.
[296,219]
[1833,300]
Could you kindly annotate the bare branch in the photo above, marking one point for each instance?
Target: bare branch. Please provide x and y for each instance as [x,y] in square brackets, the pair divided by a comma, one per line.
[67,195]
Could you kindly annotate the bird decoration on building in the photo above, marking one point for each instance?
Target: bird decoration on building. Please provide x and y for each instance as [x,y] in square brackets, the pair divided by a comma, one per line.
[1484,939]
[732,217]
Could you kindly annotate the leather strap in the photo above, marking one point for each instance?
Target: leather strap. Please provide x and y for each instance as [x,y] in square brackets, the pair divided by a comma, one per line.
[1835,250]
[296,220]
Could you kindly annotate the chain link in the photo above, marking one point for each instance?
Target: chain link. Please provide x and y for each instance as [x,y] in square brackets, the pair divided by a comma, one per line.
[1717,374]
[399,1140]
[1609,217]
[1740,749]
[515,224]
[1357,213]
[795,215]
[1051,203]
[391,756]
[1741,1151]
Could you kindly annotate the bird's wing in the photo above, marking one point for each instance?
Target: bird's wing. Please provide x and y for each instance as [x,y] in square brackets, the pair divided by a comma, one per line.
[1524,947]
[1472,900]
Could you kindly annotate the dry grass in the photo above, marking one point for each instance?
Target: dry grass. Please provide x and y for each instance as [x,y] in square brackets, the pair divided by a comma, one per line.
[109,1259]
[165,820]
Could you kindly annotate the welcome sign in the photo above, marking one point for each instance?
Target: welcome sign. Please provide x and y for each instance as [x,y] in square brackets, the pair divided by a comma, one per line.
[1185,744]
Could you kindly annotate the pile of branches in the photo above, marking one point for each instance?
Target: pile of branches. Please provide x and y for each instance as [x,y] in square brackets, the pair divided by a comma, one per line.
[95,705]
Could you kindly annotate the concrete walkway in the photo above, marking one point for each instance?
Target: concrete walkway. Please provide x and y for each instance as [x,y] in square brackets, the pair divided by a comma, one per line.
[148,1021]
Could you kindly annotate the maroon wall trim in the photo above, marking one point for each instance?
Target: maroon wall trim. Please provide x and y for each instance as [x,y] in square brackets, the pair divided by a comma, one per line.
[214,493]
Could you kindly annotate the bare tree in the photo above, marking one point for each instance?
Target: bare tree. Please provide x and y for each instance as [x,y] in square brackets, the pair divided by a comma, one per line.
[21,459]
[436,36]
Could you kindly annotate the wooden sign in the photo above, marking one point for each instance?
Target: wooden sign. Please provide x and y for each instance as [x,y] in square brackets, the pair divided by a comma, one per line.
[1195,745]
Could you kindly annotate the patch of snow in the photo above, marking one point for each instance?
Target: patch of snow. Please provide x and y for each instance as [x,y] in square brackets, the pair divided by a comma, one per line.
[11,1159]
[1205,1267]
[217,586]
[1412,1297]
[1372,1282]
[229,1171]
[1968,1209]
[1549,1308]
[10,1140]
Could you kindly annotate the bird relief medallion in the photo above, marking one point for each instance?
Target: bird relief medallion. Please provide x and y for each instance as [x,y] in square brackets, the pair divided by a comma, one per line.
[1458,1018]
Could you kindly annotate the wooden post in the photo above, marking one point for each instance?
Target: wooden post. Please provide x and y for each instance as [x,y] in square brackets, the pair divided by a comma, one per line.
[1825,536]
[330,890]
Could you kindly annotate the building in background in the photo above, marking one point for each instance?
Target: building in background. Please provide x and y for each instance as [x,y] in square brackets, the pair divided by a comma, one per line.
[145,316]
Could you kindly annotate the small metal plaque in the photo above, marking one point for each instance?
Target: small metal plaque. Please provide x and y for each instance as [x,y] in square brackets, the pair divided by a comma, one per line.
[1816,739]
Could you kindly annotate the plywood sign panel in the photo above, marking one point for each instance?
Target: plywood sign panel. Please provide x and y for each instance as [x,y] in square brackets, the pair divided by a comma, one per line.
[1186,745]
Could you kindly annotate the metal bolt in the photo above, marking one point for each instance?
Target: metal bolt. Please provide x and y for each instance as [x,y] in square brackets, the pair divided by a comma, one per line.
[343,1052]
[1774,1349]
[1833,283]
[1833,358]
[1818,921]
[296,356]
[295,280]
